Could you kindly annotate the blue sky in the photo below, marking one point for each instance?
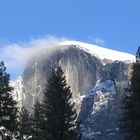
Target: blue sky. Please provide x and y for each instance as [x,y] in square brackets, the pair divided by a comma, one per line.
[113,24]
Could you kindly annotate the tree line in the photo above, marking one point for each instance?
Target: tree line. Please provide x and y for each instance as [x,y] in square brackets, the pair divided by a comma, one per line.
[52,119]
[130,121]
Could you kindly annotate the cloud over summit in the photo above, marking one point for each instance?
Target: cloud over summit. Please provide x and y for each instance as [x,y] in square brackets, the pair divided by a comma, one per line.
[16,55]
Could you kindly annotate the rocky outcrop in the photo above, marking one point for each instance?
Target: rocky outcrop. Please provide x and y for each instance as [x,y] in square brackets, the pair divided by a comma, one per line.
[97,86]
[100,109]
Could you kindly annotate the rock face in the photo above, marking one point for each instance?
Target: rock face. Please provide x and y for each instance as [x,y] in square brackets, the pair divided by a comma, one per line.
[80,68]
[100,109]
[97,85]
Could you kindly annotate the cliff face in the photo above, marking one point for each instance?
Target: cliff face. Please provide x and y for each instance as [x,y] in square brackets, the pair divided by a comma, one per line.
[80,68]
[97,86]
[100,109]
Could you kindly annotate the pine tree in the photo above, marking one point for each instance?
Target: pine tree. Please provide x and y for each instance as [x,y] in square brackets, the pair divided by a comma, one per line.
[8,106]
[131,104]
[25,125]
[59,112]
[37,117]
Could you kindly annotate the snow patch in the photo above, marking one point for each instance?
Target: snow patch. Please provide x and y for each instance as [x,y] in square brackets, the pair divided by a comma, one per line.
[17,93]
[102,53]
[103,93]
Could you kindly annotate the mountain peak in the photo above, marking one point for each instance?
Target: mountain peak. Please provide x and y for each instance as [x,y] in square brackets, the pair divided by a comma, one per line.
[102,53]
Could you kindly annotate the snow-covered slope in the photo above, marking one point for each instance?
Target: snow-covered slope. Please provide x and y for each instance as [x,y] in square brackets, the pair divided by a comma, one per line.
[99,101]
[102,53]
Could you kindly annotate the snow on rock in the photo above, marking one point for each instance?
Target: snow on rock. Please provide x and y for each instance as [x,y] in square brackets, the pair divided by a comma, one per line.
[6,134]
[18,94]
[103,87]
[78,100]
[100,52]
[96,104]
[99,109]
[103,94]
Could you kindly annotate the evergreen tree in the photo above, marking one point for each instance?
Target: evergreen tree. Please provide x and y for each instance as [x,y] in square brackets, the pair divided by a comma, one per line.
[37,118]
[131,104]
[59,112]
[8,108]
[25,125]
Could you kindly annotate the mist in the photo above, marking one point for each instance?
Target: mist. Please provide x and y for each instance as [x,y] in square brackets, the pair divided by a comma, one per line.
[16,55]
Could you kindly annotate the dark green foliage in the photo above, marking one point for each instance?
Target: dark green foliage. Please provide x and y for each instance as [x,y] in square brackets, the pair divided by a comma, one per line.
[59,112]
[138,55]
[37,118]
[8,109]
[25,125]
[131,106]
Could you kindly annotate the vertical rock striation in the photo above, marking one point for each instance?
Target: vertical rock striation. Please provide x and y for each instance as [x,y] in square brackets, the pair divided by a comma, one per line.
[97,86]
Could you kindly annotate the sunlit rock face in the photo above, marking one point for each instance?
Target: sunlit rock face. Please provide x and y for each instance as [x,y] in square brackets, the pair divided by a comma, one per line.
[80,68]
[97,85]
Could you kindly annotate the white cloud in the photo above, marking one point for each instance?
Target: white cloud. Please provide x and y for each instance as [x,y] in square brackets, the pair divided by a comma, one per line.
[97,41]
[16,55]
